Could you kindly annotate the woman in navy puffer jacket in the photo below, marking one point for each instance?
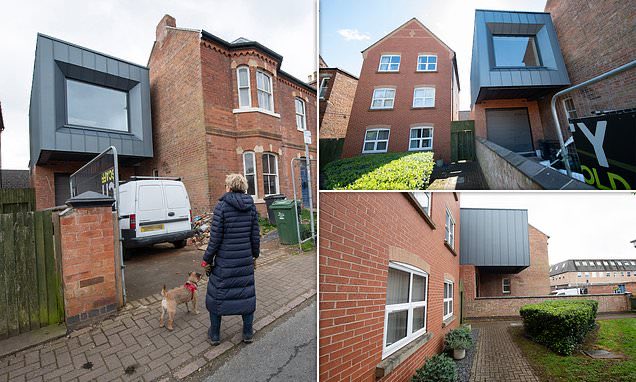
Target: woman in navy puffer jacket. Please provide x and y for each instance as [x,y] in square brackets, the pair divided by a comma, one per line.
[233,247]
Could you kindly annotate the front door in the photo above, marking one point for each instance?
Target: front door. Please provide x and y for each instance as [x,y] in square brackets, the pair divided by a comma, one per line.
[510,128]
[62,188]
[304,184]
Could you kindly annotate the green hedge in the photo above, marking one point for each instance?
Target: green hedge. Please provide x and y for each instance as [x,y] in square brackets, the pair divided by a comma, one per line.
[393,171]
[438,368]
[559,325]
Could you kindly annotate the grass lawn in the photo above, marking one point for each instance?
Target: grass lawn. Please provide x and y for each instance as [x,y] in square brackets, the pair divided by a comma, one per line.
[613,335]
[392,171]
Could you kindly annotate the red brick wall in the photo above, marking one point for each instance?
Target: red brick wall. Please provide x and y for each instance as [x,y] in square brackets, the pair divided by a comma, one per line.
[409,41]
[630,287]
[88,264]
[359,234]
[335,107]
[532,281]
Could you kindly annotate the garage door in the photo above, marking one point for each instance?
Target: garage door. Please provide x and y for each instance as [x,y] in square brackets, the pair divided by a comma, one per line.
[510,128]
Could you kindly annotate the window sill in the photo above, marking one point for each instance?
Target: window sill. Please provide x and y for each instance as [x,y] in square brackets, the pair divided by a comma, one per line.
[380,109]
[422,107]
[255,110]
[388,72]
[426,71]
[390,363]
[374,152]
[451,249]
[448,321]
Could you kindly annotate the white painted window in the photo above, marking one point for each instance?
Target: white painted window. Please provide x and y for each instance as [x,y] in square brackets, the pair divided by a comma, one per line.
[405,313]
[450,229]
[505,286]
[579,274]
[421,138]
[389,63]
[270,174]
[243,81]
[376,141]
[593,274]
[301,115]
[628,274]
[608,274]
[570,109]
[448,299]
[424,200]
[249,171]
[264,90]
[587,275]
[324,86]
[426,63]
[383,98]
[424,97]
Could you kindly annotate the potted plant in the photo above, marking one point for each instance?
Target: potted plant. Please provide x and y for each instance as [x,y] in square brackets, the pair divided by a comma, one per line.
[458,340]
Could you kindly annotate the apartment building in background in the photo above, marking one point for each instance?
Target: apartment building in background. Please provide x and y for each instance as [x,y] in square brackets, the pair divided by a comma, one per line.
[220,107]
[83,102]
[516,66]
[336,90]
[597,275]
[407,95]
[389,282]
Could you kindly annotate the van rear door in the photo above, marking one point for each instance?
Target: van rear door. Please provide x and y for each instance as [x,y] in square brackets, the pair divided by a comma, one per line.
[151,209]
[177,207]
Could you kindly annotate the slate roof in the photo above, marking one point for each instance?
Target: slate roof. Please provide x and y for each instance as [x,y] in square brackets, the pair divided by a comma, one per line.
[15,179]
[593,265]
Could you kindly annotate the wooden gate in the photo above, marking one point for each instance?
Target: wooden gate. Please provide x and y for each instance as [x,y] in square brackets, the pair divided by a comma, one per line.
[30,276]
[462,140]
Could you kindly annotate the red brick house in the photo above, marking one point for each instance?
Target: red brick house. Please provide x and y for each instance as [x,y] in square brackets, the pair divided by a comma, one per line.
[407,95]
[336,91]
[389,281]
[220,107]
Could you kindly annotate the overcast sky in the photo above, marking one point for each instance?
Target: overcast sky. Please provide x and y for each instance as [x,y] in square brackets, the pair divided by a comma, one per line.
[347,27]
[126,30]
[581,225]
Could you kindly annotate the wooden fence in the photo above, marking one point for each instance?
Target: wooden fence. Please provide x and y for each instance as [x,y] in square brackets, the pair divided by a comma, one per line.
[30,273]
[16,200]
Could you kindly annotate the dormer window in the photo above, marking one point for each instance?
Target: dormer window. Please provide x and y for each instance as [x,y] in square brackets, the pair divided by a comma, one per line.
[243,81]
[389,63]
[264,90]
[515,51]
[89,105]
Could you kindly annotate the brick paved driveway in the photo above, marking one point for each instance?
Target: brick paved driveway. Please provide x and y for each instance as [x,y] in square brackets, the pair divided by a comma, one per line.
[497,358]
[131,346]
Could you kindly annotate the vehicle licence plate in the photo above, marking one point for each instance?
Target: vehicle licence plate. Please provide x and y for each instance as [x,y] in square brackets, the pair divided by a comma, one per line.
[154,227]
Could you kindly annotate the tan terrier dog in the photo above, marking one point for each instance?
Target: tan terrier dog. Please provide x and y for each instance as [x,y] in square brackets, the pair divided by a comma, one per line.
[182,294]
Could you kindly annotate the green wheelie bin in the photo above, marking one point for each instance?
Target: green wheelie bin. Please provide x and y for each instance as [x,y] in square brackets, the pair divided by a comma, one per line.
[286,220]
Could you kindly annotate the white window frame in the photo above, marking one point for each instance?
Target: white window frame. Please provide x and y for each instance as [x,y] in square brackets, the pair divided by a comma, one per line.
[423,139]
[448,299]
[503,286]
[569,112]
[245,174]
[383,99]
[303,114]
[579,274]
[388,64]
[248,87]
[260,90]
[449,235]
[418,196]
[271,173]
[324,83]
[426,64]
[388,350]
[375,150]
[427,96]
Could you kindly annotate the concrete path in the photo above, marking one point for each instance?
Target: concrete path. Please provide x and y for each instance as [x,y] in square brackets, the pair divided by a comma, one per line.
[460,175]
[131,346]
[285,353]
[497,357]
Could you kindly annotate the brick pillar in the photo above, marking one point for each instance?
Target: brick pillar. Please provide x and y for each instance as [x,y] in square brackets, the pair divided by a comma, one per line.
[88,261]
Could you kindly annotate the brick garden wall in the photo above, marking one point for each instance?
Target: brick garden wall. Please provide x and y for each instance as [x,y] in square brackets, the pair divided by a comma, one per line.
[88,265]
[359,234]
[335,108]
[500,174]
[492,307]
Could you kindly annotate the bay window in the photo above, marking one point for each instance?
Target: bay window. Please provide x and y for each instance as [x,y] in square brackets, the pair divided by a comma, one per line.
[264,90]
[270,174]
[243,81]
[249,171]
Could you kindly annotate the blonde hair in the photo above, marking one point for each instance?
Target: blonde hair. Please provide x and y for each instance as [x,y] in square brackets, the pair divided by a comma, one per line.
[236,183]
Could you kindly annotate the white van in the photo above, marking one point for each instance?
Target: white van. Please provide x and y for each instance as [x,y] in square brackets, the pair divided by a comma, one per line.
[154,211]
[567,292]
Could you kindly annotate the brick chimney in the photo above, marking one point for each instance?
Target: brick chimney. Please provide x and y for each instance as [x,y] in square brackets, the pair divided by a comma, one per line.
[166,21]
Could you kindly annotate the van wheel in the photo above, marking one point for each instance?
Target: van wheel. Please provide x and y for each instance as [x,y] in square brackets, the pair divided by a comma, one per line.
[127,252]
[180,243]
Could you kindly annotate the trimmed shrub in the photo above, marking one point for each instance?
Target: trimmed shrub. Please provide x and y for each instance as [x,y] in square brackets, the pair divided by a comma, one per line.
[393,171]
[438,368]
[559,325]
[459,338]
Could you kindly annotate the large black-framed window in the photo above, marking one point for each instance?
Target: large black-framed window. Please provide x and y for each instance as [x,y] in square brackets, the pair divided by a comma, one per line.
[516,51]
[95,106]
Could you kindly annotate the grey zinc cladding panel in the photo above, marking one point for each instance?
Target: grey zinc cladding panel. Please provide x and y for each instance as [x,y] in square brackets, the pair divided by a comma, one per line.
[494,237]
[484,74]
[55,61]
